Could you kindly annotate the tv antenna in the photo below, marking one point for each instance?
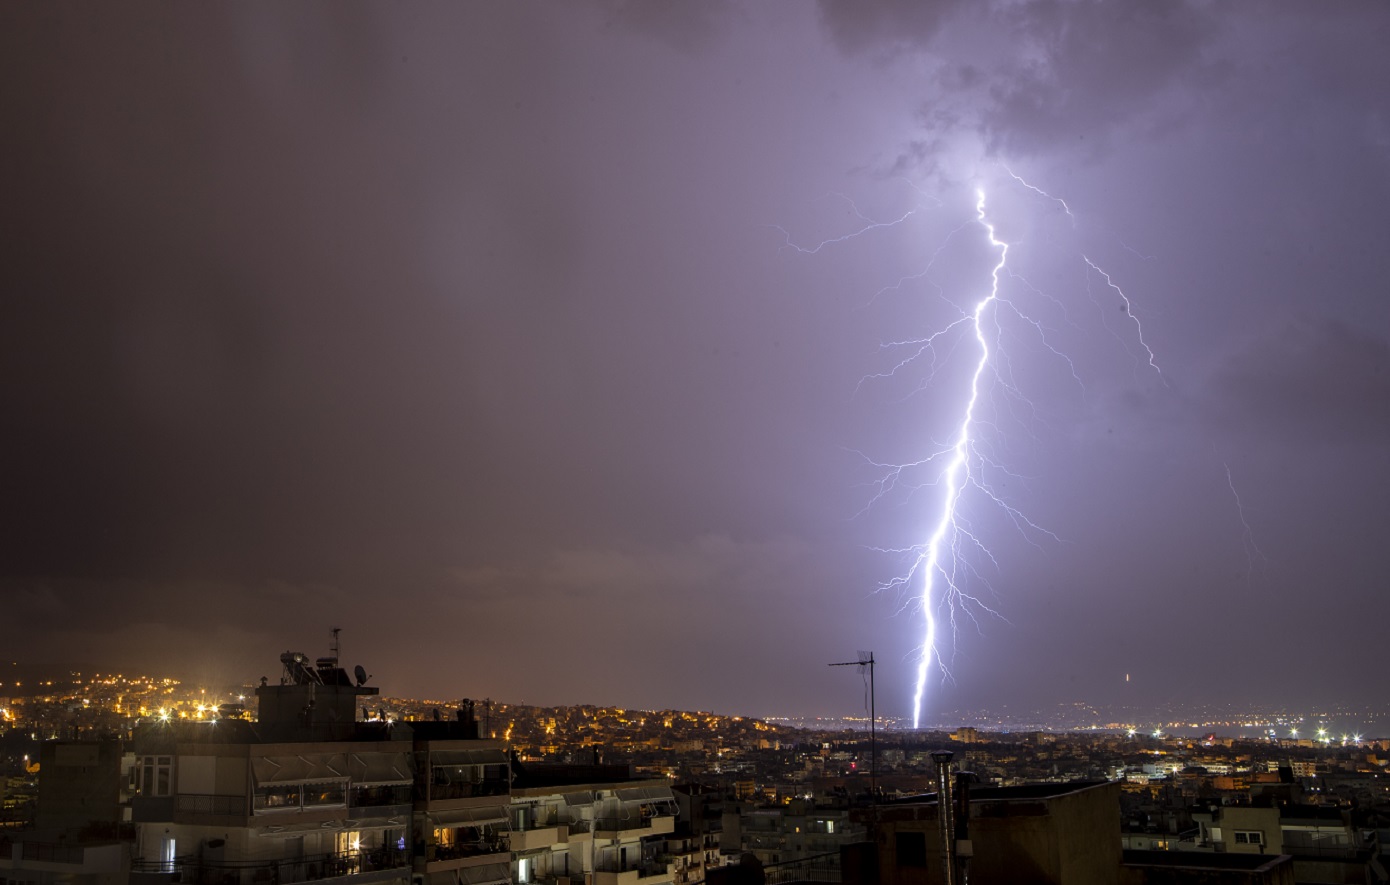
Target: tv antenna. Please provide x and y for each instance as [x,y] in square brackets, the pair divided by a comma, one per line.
[866,659]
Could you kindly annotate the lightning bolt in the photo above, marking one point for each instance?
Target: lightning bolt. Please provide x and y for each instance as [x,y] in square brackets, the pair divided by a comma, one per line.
[1037,190]
[956,476]
[939,569]
[1252,549]
[1128,309]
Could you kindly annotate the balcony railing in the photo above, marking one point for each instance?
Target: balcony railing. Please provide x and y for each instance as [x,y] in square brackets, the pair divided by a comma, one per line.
[191,871]
[376,797]
[1320,848]
[202,803]
[817,868]
[467,790]
[635,822]
[470,848]
[644,870]
[47,852]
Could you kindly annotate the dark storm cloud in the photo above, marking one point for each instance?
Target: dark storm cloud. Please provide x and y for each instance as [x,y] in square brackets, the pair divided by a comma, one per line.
[1035,76]
[468,329]
[687,25]
[886,26]
[1073,75]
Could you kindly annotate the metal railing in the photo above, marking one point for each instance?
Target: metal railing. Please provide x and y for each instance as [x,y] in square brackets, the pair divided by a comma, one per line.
[817,868]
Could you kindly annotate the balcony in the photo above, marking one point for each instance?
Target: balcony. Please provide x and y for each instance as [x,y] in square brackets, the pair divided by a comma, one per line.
[459,855]
[71,859]
[632,874]
[201,803]
[379,865]
[442,791]
[379,797]
[818,868]
[152,809]
[575,831]
[658,824]
[210,810]
[537,837]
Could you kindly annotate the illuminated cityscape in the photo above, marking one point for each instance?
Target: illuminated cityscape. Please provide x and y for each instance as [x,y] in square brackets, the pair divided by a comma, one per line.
[703,790]
[694,442]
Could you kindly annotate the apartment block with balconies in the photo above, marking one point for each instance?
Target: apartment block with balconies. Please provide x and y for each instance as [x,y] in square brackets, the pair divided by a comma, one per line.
[594,823]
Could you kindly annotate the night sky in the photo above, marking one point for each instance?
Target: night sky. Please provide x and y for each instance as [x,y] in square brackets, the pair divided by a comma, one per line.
[541,347]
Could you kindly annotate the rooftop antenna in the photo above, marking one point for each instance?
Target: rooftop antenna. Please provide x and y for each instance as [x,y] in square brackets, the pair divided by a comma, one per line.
[334,646]
[866,659]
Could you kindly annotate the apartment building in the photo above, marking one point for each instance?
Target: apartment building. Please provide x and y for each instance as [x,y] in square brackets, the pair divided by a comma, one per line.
[573,823]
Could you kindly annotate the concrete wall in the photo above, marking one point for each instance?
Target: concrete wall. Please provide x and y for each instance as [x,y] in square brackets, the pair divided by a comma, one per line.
[80,782]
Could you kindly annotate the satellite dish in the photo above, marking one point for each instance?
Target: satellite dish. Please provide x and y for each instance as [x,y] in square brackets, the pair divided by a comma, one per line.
[360,674]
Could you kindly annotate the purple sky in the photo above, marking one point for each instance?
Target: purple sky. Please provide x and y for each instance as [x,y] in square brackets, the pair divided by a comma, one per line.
[475,330]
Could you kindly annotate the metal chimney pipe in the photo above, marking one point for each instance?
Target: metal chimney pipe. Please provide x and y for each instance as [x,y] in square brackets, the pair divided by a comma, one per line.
[944,812]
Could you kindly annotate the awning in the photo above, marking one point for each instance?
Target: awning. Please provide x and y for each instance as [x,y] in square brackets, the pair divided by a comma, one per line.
[585,797]
[375,823]
[481,756]
[298,769]
[290,828]
[378,769]
[488,874]
[470,817]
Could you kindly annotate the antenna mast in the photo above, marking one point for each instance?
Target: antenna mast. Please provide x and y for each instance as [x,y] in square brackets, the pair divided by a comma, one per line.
[866,659]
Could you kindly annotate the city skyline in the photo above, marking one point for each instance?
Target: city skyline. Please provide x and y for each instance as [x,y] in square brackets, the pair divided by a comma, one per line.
[541,348]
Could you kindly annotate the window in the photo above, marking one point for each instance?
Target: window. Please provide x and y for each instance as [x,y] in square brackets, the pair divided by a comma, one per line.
[278,796]
[292,797]
[154,776]
[1246,837]
[325,793]
[911,849]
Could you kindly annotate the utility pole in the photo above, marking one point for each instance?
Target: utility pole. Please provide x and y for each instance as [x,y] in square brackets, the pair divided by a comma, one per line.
[866,659]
